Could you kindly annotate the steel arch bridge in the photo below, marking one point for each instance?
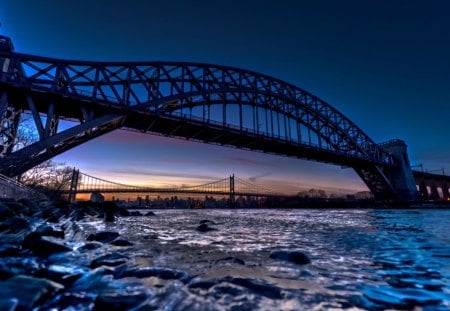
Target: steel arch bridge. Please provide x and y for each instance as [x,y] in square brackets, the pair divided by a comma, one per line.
[203,102]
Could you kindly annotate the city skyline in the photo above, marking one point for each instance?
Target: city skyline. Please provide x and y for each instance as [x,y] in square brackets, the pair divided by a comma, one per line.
[372,66]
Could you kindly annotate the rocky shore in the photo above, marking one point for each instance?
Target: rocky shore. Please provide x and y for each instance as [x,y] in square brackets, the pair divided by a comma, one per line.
[48,262]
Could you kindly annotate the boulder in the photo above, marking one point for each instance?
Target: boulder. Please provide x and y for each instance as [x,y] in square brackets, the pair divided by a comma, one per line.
[28,290]
[296,257]
[103,236]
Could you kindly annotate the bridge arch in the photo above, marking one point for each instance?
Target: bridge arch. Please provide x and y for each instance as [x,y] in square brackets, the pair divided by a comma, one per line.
[205,102]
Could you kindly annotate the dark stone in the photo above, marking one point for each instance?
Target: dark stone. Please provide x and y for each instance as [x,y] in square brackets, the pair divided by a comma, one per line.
[113,301]
[5,211]
[202,284]
[44,246]
[204,228]
[8,304]
[16,207]
[103,236]
[296,257]
[65,275]
[14,225]
[90,246]
[207,221]
[259,287]
[71,301]
[162,273]
[9,250]
[28,290]
[121,242]
[135,213]
[232,260]
[109,216]
[46,230]
[111,260]
[150,214]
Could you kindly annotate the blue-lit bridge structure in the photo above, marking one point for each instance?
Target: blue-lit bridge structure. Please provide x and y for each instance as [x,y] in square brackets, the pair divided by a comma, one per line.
[230,187]
[202,102]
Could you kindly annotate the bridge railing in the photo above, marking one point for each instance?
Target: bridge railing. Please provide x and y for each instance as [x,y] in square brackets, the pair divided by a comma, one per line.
[11,189]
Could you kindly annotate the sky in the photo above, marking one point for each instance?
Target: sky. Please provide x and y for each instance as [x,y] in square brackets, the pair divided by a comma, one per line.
[383,64]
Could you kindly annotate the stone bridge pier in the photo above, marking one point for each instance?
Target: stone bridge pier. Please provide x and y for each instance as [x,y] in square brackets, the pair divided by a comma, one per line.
[432,186]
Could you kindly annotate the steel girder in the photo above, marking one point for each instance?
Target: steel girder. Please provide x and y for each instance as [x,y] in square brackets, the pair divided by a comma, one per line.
[187,92]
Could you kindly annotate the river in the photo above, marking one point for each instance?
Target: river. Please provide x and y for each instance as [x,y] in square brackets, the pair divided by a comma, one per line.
[369,259]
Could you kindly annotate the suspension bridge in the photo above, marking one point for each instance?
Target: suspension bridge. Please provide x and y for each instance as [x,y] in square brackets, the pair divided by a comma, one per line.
[203,102]
[231,187]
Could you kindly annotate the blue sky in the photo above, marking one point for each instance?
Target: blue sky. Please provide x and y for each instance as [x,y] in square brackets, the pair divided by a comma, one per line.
[384,64]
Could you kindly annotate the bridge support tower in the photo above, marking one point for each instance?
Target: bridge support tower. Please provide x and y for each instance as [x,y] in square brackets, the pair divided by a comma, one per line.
[73,185]
[401,177]
[232,191]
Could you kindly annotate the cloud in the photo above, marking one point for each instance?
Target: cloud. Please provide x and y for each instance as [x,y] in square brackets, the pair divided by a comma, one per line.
[144,172]
[255,178]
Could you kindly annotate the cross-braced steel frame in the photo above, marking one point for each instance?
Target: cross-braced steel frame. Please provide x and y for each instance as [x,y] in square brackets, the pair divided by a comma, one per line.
[209,103]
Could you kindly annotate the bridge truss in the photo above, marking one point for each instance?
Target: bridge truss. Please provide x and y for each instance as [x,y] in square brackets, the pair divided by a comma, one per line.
[208,103]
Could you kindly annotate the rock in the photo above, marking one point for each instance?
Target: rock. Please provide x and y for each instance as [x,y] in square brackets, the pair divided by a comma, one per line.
[202,284]
[109,216]
[16,207]
[149,214]
[232,260]
[206,221]
[296,257]
[121,242]
[65,275]
[204,228]
[135,213]
[119,301]
[5,212]
[8,304]
[31,208]
[111,260]
[44,246]
[14,225]
[162,273]
[46,230]
[9,250]
[28,290]
[71,301]
[90,246]
[103,236]
[259,287]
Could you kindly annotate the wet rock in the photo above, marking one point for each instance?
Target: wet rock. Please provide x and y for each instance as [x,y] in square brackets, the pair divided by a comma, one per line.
[296,257]
[65,275]
[121,242]
[8,304]
[46,230]
[44,246]
[202,284]
[71,301]
[119,301]
[204,228]
[9,250]
[207,221]
[28,290]
[109,216]
[90,246]
[135,213]
[231,260]
[149,214]
[258,287]
[14,225]
[162,273]
[111,260]
[5,212]
[16,207]
[103,236]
